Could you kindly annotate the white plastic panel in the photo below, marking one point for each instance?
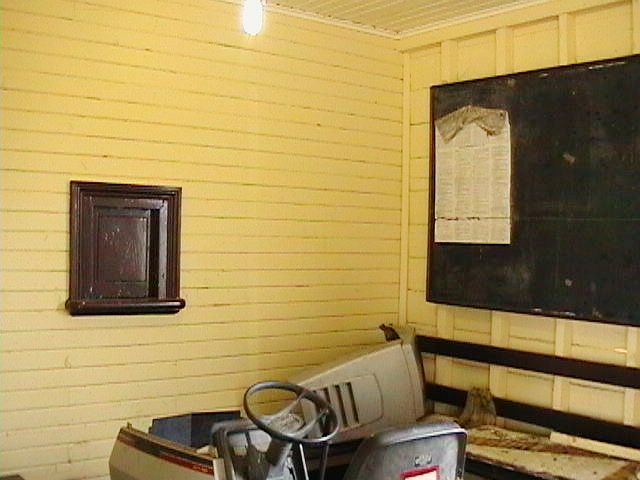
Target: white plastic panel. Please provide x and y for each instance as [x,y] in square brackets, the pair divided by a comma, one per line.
[375,389]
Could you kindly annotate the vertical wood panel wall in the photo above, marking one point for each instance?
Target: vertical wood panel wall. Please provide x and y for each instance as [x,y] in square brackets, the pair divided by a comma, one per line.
[546,35]
[287,147]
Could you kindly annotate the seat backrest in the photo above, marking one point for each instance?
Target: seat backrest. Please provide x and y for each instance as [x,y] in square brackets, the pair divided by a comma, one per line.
[427,451]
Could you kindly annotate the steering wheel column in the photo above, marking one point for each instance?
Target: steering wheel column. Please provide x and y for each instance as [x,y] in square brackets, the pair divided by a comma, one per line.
[288,426]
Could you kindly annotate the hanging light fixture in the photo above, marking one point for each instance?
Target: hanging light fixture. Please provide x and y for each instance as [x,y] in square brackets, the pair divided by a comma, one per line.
[252,16]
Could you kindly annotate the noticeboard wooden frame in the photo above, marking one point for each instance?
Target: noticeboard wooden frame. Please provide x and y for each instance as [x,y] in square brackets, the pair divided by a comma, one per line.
[125,249]
[575,196]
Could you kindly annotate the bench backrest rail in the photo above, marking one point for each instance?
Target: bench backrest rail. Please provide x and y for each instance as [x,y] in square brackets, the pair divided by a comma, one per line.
[565,422]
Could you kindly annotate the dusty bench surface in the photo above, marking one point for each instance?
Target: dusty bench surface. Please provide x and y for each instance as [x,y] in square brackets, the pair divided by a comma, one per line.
[541,458]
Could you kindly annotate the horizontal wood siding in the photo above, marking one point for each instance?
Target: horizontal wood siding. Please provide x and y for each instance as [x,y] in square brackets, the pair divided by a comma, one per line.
[287,147]
[546,35]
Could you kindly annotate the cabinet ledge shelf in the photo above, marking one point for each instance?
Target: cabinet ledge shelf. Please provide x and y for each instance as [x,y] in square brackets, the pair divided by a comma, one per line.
[124,306]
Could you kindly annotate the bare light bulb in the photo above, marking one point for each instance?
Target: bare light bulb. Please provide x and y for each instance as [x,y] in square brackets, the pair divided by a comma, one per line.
[252,16]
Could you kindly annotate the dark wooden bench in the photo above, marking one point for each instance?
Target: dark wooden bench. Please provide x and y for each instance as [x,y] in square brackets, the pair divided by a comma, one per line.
[556,420]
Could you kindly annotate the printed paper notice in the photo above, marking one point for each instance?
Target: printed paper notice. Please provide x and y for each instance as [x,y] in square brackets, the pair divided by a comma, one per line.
[473,177]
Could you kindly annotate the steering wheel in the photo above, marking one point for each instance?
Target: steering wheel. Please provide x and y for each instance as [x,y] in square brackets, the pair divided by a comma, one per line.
[289,427]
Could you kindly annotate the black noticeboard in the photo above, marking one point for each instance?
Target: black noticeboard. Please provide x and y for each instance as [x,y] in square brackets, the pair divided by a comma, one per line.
[574,249]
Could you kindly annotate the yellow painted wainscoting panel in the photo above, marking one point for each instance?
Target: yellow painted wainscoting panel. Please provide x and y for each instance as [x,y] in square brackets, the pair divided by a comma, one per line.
[427,68]
[603,32]
[420,102]
[288,149]
[542,36]
[606,343]
[535,45]
[476,56]
[530,388]
[583,396]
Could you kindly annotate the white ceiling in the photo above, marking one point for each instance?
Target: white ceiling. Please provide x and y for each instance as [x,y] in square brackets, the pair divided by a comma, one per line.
[396,18]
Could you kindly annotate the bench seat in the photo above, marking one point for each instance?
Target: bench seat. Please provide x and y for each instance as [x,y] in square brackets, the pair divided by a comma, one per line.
[536,456]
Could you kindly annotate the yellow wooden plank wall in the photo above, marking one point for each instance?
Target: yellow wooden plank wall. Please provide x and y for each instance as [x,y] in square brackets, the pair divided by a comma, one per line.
[546,35]
[287,147]
[304,207]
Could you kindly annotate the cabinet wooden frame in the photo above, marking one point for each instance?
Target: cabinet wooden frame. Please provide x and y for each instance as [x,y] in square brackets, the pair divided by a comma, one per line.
[125,249]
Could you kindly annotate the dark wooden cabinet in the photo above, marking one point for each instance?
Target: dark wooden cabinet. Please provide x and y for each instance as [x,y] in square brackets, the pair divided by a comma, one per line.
[125,249]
